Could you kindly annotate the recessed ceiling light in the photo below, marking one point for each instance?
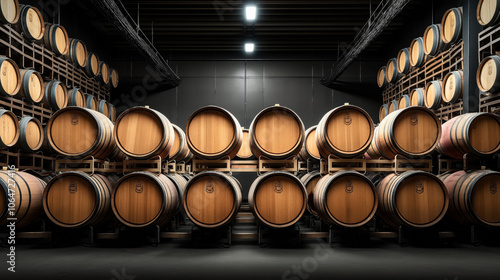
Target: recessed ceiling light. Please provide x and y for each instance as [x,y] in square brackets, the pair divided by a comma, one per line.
[249,47]
[251,12]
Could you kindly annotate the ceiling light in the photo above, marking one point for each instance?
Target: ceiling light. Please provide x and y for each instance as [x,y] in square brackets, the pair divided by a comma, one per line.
[251,12]
[249,47]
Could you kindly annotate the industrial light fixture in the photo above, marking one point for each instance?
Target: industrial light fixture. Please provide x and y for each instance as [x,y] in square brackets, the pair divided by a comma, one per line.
[251,12]
[249,47]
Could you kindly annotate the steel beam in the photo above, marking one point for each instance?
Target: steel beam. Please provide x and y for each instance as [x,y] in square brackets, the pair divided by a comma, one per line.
[470,32]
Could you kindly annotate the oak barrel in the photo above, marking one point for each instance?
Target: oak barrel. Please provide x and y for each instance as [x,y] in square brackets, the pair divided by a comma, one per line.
[381,81]
[112,112]
[488,74]
[92,67]
[417,97]
[416,52]
[453,84]
[180,149]
[213,132]
[373,151]
[55,95]
[410,132]
[103,107]
[91,102]
[310,149]
[345,132]
[27,193]
[245,152]
[277,199]
[473,133]
[104,74]
[404,101]
[56,38]
[77,52]
[30,23]
[383,111]
[10,77]
[9,129]
[144,133]
[77,132]
[9,11]
[451,25]
[414,198]
[310,180]
[32,86]
[345,198]
[76,97]
[113,77]
[391,74]
[433,97]
[474,197]
[393,106]
[31,135]
[488,12]
[433,44]
[75,199]
[212,199]
[141,199]
[403,61]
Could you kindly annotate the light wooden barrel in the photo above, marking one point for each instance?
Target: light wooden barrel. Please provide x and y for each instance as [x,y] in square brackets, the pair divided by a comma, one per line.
[417,97]
[451,25]
[27,192]
[77,132]
[31,135]
[383,111]
[113,77]
[433,97]
[213,133]
[381,81]
[76,97]
[416,52]
[76,199]
[310,149]
[393,106]
[10,77]
[56,38]
[488,74]
[373,151]
[212,199]
[91,102]
[277,199]
[9,129]
[141,199]
[488,12]
[433,44]
[310,180]
[32,86]
[410,132]
[77,52]
[414,199]
[103,107]
[474,197]
[55,95]
[180,149]
[92,67]
[30,23]
[345,198]
[453,84]
[180,184]
[144,133]
[473,133]
[345,132]
[112,112]
[276,132]
[245,152]
[104,73]
[403,61]
[391,74]
[404,101]
[9,11]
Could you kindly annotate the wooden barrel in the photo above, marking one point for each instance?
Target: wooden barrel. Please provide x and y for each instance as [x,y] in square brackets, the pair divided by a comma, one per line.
[91,102]
[31,134]
[416,52]
[92,67]
[403,61]
[345,198]
[9,11]
[141,199]
[144,133]
[417,97]
[212,199]
[345,132]
[474,197]
[451,25]
[381,81]
[113,77]
[453,84]
[410,132]
[56,95]
[32,86]
[433,97]
[56,38]
[245,152]
[373,151]
[310,149]
[488,74]
[310,180]
[404,101]
[433,44]
[488,12]
[393,106]
[76,97]
[77,52]
[77,132]
[277,199]
[30,23]
[9,129]
[112,112]
[180,149]
[104,74]
[10,77]
[76,199]
[103,107]
[473,133]
[27,193]
[414,198]
[383,111]
[391,74]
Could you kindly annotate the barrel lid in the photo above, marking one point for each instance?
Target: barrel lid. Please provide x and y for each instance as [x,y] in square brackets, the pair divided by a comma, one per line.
[485,198]
[310,144]
[10,10]
[36,26]
[34,134]
[10,128]
[416,130]
[73,131]
[486,11]
[484,133]
[487,73]
[35,85]
[9,77]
